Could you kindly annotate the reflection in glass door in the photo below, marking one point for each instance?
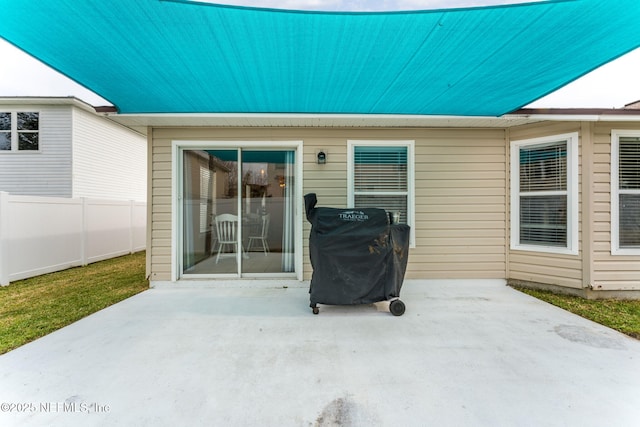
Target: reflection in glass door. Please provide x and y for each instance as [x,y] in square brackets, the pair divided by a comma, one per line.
[238,212]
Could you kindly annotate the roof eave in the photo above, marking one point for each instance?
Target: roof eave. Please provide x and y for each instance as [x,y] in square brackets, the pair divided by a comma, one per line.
[578,114]
[49,100]
[517,118]
[313,120]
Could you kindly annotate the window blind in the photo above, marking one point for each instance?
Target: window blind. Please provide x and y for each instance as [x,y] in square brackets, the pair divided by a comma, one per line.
[543,219]
[543,194]
[629,192]
[381,178]
[629,168]
[543,168]
[380,168]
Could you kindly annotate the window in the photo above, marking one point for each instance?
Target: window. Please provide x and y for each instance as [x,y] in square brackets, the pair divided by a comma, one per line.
[625,192]
[381,175]
[544,194]
[5,131]
[19,131]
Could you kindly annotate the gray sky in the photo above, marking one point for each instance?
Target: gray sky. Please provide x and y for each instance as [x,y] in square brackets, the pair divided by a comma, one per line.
[611,86]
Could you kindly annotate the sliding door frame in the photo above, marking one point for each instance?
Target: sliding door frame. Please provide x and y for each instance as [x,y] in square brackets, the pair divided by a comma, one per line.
[177,187]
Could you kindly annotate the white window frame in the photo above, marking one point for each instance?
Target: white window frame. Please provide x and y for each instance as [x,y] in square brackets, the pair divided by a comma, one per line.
[616,134]
[572,194]
[177,149]
[14,132]
[410,144]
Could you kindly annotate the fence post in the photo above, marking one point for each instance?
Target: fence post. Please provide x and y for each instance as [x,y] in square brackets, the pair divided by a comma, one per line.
[4,238]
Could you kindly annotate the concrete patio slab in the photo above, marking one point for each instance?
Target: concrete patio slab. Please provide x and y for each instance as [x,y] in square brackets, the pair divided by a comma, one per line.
[465,353]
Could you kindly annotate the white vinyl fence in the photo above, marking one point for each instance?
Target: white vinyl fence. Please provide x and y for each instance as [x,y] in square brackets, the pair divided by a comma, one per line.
[40,235]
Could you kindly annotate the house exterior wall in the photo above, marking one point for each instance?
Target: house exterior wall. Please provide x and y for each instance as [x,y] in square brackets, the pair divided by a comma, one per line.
[595,268]
[46,172]
[610,272]
[542,267]
[159,215]
[462,198]
[460,204]
[109,160]
[461,193]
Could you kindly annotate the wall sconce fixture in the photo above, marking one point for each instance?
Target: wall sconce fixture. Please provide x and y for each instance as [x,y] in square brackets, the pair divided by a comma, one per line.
[322,157]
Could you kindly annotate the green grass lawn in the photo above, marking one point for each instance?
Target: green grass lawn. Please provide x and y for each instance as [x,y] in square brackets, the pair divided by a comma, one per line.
[35,307]
[623,316]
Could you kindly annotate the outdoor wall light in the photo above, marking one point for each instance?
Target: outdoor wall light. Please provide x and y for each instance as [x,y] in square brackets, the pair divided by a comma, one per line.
[322,157]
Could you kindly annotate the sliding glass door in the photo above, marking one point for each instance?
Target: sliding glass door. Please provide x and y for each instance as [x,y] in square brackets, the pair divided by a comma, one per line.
[238,212]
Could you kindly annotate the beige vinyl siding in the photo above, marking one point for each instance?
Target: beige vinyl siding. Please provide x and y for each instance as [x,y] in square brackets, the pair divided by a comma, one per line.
[460,192]
[46,172]
[609,272]
[460,204]
[109,160]
[160,212]
[548,268]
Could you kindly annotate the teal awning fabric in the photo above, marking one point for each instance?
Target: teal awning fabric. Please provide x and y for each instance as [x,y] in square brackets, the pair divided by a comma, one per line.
[174,56]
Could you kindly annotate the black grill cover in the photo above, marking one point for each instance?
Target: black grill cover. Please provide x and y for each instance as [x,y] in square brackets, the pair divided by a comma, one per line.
[356,255]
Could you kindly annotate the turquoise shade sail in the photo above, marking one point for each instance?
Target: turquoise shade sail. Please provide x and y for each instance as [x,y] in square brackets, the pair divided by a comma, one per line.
[151,56]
